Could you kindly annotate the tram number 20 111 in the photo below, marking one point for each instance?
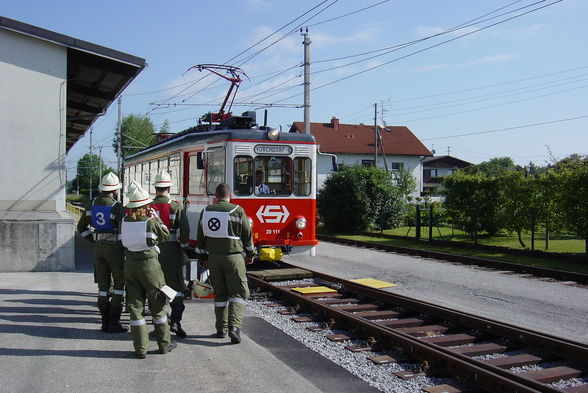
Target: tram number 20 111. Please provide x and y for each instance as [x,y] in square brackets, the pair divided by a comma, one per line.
[272,231]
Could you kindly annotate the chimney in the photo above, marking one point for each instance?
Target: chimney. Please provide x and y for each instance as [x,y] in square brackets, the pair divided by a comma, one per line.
[335,123]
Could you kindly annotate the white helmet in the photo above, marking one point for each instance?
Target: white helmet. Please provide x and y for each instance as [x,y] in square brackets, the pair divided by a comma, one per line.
[137,196]
[109,182]
[162,179]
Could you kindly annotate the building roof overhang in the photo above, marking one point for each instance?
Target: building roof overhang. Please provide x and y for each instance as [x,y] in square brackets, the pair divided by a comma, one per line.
[96,76]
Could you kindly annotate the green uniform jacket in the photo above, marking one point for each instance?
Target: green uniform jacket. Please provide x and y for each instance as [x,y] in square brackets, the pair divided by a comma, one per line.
[179,223]
[239,227]
[154,225]
[84,228]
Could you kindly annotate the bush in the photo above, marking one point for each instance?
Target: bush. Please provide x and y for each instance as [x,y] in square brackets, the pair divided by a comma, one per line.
[78,200]
[358,198]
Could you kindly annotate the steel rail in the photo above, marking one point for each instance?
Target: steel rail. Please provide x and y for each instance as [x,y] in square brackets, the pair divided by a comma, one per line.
[492,263]
[487,376]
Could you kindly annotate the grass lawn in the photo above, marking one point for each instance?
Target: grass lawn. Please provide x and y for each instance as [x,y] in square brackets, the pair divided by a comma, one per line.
[550,263]
[557,243]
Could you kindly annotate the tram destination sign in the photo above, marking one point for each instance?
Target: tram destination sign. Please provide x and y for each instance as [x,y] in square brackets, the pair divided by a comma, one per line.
[273,149]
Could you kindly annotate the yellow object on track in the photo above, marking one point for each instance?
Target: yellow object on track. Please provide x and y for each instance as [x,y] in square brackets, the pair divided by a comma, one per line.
[308,290]
[270,254]
[371,282]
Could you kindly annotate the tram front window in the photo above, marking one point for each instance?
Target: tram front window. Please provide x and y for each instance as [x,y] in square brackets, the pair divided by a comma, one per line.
[273,175]
[243,176]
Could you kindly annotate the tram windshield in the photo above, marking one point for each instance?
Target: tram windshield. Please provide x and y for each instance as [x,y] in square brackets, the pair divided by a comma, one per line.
[271,176]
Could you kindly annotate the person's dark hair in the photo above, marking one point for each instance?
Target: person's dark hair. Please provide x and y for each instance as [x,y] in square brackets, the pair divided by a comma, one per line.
[162,189]
[259,171]
[223,191]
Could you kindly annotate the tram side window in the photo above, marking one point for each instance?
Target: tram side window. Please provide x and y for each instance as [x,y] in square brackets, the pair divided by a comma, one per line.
[146,176]
[275,172]
[153,167]
[243,167]
[196,184]
[302,176]
[174,172]
[215,169]
[137,174]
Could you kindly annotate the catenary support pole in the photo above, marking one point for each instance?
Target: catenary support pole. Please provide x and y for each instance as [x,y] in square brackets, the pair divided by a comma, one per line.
[119,144]
[306,43]
[376,135]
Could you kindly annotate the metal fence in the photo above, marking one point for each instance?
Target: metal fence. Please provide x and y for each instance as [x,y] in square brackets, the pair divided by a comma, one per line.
[424,224]
[74,209]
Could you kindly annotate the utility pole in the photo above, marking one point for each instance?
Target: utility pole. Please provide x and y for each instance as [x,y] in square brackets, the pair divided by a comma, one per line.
[118,145]
[91,161]
[100,160]
[306,43]
[376,135]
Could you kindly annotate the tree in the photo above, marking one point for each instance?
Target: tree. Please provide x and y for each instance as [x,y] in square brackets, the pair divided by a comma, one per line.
[357,198]
[574,201]
[406,184]
[89,174]
[472,201]
[137,133]
[573,161]
[494,167]
[516,201]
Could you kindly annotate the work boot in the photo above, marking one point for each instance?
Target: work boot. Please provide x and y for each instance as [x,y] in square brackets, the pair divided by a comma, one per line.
[177,309]
[235,334]
[114,325]
[176,327]
[220,334]
[104,310]
[172,345]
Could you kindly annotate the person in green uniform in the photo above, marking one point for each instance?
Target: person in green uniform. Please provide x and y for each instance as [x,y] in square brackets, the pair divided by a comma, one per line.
[224,240]
[172,258]
[100,224]
[141,231]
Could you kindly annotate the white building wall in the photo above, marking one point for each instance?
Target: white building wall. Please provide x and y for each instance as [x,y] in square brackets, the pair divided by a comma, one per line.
[409,163]
[32,123]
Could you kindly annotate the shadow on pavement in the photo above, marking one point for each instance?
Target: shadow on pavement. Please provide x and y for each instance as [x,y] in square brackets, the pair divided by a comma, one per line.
[45,310]
[56,302]
[44,292]
[197,340]
[79,353]
[65,332]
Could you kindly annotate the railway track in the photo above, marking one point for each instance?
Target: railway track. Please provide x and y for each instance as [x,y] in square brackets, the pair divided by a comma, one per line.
[480,354]
[560,275]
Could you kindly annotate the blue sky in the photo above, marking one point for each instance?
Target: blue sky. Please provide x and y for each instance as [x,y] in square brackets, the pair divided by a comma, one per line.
[517,89]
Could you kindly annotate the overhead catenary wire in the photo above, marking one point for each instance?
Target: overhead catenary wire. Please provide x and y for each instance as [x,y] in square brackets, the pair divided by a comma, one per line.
[485,97]
[394,48]
[495,105]
[419,51]
[228,62]
[403,45]
[507,128]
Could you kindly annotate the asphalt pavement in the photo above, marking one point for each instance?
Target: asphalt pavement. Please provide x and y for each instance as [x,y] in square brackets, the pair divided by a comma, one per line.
[50,341]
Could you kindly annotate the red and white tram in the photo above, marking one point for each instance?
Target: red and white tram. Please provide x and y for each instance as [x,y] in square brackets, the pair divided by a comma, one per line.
[272,174]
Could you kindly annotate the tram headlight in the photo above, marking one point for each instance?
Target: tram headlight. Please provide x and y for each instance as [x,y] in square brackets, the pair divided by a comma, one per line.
[273,134]
[301,223]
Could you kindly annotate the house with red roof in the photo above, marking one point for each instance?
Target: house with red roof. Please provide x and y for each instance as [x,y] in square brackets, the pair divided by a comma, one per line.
[355,144]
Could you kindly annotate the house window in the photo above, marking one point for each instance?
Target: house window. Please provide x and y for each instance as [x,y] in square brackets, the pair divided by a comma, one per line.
[428,173]
[397,166]
[367,162]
